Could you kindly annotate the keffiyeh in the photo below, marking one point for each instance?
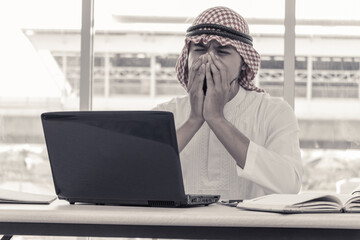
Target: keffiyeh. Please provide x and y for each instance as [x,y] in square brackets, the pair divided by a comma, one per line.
[228,28]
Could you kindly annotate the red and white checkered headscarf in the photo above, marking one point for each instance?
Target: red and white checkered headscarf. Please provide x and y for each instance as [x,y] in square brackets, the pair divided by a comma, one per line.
[230,19]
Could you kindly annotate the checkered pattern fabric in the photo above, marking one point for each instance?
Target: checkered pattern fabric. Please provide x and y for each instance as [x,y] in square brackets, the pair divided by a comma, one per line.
[229,18]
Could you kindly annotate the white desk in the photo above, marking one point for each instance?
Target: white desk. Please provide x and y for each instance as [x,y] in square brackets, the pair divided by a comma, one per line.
[214,221]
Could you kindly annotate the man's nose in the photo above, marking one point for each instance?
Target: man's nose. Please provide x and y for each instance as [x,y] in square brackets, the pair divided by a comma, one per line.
[204,58]
[212,45]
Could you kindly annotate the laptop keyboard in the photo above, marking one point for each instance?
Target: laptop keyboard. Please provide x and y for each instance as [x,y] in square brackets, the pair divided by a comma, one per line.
[202,199]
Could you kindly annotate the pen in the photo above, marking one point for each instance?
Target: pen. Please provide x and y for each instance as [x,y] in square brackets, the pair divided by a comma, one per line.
[231,202]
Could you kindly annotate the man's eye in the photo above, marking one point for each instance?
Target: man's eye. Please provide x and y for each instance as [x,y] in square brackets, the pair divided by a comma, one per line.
[199,49]
[223,52]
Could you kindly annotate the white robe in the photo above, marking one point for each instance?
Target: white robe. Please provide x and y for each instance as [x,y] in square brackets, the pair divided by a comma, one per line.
[273,161]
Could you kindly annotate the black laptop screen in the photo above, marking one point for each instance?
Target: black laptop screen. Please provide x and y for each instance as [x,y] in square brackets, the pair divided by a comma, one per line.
[114,155]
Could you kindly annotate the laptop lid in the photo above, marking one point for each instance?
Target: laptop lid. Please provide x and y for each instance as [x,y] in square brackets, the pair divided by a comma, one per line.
[114,157]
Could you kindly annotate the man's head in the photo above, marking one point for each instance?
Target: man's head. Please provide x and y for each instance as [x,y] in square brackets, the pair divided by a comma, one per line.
[221,29]
[227,54]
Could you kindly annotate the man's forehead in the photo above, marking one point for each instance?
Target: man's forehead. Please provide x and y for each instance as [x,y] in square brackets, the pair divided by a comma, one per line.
[213,43]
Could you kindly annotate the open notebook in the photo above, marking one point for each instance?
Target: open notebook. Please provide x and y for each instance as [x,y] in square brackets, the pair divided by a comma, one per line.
[8,196]
[304,203]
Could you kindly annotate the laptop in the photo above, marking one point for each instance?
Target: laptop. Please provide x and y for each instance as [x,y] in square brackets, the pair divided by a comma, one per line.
[117,158]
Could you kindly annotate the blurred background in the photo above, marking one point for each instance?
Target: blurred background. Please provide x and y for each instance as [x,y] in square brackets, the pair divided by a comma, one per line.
[136,46]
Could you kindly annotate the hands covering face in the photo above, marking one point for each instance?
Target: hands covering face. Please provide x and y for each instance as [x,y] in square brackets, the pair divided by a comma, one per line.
[220,87]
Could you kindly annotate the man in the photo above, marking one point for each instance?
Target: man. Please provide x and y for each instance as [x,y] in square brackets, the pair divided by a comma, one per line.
[235,140]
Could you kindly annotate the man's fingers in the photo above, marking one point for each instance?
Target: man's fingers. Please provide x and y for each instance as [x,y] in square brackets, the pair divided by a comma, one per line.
[199,75]
[222,70]
[199,78]
[215,74]
[193,71]
[209,78]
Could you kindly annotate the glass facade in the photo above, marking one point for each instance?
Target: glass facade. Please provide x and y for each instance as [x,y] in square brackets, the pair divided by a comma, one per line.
[135,55]
[135,51]
[328,113]
[34,79]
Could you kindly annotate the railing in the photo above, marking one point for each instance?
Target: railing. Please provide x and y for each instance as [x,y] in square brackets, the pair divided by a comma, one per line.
[137,80]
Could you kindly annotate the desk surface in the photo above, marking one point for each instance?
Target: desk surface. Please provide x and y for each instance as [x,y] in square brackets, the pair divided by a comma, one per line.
[214,216]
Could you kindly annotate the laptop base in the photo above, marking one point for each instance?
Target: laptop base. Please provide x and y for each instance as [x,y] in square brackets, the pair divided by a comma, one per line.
[191,200]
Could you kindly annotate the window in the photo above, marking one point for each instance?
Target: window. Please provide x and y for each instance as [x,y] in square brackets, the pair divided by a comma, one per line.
[328,101]
[40,50]
[135,51]
[141,45]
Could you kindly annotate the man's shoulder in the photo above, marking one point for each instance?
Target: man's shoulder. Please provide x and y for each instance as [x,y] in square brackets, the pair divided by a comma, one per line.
[274,103]
[174,103]
[268,106]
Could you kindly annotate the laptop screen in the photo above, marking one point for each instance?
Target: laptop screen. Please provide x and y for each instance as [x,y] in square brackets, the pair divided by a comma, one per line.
[113,156]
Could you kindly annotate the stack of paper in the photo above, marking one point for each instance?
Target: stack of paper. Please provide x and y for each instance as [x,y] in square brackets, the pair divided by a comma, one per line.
[7,196]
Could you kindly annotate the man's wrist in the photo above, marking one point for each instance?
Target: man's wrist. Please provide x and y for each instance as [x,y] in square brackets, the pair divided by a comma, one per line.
[195,121]
[216,121]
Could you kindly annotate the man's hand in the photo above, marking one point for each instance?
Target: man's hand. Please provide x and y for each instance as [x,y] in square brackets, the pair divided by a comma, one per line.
[220,88]
[196,80]
[194,87]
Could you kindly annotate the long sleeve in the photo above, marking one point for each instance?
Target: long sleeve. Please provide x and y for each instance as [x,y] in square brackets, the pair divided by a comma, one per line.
[273,163]
[276,165]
